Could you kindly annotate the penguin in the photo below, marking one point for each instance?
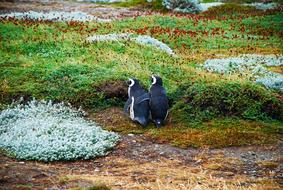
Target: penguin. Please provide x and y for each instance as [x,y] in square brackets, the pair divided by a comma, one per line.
[137,103]
[158,101]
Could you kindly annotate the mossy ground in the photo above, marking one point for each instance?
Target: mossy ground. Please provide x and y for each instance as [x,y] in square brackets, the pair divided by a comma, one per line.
[52,60]
[215,133]
[153,5]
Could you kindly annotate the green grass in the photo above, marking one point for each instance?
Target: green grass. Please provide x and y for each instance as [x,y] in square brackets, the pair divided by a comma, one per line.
[24,187]
[99,187]
[218,133]
[53,61]
[131,3]
[203,101]
[154,5]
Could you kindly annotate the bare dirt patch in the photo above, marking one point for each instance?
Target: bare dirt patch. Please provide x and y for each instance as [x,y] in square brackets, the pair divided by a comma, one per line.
[139,163]
[113,89]
[99,10]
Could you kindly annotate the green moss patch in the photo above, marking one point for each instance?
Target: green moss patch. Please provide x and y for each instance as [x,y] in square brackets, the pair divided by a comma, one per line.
[216,133]
[205,101]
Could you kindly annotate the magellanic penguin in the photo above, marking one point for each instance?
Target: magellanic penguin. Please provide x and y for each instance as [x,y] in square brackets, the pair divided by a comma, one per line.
[137,103]
[158,101]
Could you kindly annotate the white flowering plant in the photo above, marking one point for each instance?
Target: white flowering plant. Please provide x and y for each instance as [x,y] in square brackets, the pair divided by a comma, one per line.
[140,39]
[252,66]
[262,6]
[54,16]
[184,6]
[275,82]
[47,131]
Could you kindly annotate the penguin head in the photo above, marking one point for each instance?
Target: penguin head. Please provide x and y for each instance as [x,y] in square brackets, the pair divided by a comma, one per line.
[132,81]
[156,80]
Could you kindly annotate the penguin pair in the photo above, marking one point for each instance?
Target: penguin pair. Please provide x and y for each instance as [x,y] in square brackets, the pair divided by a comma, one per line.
[144,105]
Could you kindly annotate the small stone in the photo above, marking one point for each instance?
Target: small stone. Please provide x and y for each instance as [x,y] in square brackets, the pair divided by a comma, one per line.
[131,135]
[97,170]
[21,162]
[229,173]
[198,161]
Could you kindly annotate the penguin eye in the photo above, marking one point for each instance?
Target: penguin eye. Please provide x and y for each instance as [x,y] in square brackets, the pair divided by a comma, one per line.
[129,82]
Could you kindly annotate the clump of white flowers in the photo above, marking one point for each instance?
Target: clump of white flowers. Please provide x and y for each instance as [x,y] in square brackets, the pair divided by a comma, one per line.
[252,66]
[42,130]
[54,16]
[274,82]
[109,37]
[262,6]
[140,39]
[206,6]
[147,40]
[184,6]
[248,62]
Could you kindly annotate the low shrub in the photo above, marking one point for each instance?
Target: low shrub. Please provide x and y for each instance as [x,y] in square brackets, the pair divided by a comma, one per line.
[54,16]
[205,101]
[140,39]
[251,66]
[184,6]
[41,130]
[271,82]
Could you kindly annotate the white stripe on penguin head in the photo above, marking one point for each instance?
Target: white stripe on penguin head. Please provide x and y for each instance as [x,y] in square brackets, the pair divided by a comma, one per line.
[132,82]
[153,79]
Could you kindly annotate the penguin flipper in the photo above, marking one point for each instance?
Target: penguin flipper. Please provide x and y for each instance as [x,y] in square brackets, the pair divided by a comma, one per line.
[127,105]
[143,98]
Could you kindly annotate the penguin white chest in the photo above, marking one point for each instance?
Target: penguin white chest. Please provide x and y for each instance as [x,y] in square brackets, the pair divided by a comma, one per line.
[129,90]
[132,114]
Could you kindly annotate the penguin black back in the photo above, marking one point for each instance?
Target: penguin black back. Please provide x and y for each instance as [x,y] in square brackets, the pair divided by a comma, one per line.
[135,89]
[138,103]
[158,101]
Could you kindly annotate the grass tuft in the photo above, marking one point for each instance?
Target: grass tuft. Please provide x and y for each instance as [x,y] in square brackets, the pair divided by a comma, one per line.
[204,101]
[216,133]
[99,187]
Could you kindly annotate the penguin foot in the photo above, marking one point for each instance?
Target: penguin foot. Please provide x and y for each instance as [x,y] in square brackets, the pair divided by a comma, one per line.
[142,122]
[158,123]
